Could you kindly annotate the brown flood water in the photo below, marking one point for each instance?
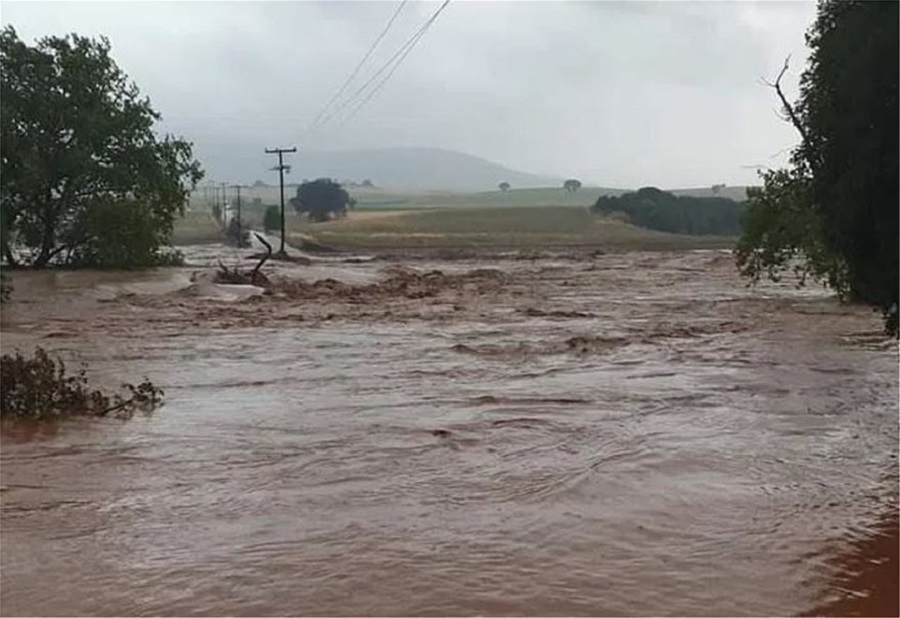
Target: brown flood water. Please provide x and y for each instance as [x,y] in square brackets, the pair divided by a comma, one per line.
[635,434]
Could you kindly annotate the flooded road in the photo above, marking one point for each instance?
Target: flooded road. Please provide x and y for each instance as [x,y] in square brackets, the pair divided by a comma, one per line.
[634,434]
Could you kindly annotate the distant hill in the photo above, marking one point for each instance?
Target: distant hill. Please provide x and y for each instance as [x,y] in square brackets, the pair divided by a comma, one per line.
[415,168]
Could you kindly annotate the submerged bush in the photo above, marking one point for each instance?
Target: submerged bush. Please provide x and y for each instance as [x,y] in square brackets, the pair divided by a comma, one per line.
[5,287]
[40,388]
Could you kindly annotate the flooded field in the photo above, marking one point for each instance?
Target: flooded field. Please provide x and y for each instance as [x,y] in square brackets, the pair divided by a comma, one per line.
[627,434]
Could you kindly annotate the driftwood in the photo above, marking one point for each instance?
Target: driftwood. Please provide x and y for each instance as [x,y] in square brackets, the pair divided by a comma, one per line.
[236,276]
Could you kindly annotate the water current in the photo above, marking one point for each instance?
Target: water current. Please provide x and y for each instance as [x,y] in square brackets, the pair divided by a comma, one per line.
[631,434]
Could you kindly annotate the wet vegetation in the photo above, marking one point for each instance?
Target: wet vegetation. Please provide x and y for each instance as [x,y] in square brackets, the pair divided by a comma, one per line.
[40,387]
[5,287]
[660,210]
[832,216]
[85,180]
[322,199]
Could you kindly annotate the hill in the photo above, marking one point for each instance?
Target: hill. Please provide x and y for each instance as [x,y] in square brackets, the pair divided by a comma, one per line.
[415,168]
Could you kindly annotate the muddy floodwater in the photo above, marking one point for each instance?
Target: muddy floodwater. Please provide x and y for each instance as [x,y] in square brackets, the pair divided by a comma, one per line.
[627,434]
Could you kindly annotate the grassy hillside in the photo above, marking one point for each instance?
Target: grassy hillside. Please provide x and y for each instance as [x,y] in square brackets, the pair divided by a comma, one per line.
[461,226]
[399,199]
[738,194]
[513,226]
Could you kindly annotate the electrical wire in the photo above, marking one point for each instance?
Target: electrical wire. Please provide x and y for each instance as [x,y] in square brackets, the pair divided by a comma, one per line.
[413,42]
[359,66]
[391,66]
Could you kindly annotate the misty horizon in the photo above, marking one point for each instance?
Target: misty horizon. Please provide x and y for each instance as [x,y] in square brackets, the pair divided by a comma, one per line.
[618,94]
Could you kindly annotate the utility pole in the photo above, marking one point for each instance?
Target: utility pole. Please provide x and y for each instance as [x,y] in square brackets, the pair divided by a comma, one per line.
[224,203]
[281,167]
[240,228]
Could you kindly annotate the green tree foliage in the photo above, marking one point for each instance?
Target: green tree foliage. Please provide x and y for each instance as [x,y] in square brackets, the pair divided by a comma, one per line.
[836,208]
[79,160]
[272,219]
[572,185]
[321,199]
[41,388]
[236,235]
[660,210]
[6,287]
[504,186]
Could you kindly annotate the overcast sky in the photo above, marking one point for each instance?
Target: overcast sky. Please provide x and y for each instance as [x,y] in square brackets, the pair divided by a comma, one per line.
[621,94]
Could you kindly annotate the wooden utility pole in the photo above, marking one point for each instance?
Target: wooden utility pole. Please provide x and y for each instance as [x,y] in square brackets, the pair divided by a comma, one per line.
[224,186]
[240,226]
[281,167]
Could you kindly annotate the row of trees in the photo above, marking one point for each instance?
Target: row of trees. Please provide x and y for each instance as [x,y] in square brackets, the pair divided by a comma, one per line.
[832,215]
[660,210]
[84,179]
[571,185]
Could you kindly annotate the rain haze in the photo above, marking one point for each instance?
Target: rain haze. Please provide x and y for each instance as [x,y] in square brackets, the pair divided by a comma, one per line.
[619,94]
[515,326]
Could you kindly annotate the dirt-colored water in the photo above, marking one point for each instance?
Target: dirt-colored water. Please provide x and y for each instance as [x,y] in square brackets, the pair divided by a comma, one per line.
[632,434]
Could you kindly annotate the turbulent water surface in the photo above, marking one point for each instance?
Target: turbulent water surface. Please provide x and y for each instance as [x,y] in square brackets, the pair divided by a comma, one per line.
[629,434]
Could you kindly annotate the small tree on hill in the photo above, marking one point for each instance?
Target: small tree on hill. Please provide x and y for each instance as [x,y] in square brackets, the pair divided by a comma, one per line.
[504,186]
[322,198]
[572,185]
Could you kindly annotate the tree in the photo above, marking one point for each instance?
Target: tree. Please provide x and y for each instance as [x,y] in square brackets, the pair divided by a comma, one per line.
[660,210]
[272,219]
[81,170]
[236,235]
[6,287]
[836,207]
[368,184]
[572,185]
[504,186]
[322,198]
[216,211]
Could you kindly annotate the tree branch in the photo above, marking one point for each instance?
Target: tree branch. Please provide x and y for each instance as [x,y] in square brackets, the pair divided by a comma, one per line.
[788,108]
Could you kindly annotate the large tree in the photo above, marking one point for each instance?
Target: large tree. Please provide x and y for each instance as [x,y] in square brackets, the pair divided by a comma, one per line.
[84,180]
[834,214]
[572,185]
[321,199]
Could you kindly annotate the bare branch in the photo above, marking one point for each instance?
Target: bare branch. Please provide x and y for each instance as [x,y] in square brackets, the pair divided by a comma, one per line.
[253,275]
[789,113]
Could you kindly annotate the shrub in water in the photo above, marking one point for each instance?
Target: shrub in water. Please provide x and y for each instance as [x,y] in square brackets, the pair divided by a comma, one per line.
[40,388]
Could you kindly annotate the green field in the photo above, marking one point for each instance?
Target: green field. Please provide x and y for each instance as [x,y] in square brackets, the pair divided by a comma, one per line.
[398,199]
[473,226]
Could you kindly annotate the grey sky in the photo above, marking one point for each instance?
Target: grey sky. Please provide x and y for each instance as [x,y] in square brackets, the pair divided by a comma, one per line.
[617,93]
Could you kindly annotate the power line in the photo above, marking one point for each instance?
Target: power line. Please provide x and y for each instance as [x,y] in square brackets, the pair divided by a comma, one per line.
[394,60]
[359,66]
[413,42]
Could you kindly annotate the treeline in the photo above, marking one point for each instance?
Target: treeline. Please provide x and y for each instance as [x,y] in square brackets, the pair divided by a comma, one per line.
[660,210]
